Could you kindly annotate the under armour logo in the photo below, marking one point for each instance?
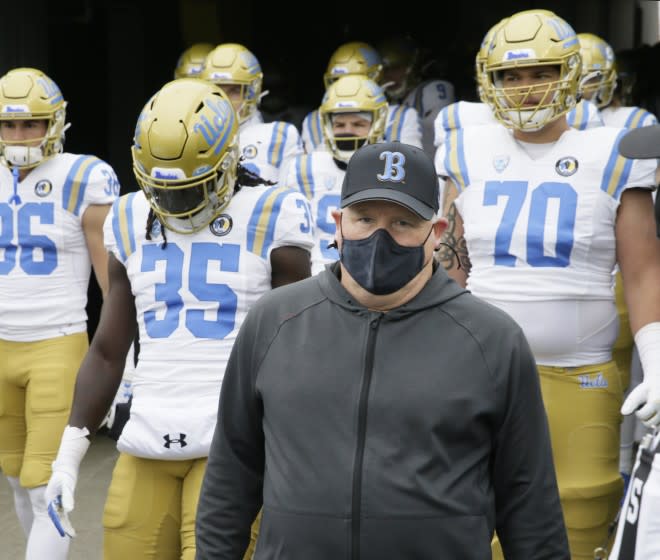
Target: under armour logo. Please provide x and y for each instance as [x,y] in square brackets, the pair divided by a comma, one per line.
[394,170]
[181,440]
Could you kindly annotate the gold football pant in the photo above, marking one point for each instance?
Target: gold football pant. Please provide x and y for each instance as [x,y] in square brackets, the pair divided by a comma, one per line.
[623,345]
[583,405]
[36,391]
[151,507]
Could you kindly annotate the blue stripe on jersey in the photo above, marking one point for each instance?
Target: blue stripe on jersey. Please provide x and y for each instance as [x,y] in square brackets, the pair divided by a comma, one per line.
[617,170]
[639,117]
[304,175]
[317,133]
[75,183]
[122,225]
[391,129]
[261,227]
[397,124]
[277,142]
[450,118]
[455,159]
[578,117]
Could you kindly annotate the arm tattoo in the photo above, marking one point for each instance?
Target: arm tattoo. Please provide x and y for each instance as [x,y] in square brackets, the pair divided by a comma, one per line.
[454,254]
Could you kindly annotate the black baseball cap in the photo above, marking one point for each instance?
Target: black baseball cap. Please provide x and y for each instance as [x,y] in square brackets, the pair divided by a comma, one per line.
[392,171]
[641,143]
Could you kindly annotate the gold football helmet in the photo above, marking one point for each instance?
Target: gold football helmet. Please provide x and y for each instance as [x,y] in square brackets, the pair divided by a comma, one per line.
[191,60]
[354,58]
[532,38]
[28,94]
[482,54]
[598,69]
[353,94]
[185,153]
[233,64]
[402,58]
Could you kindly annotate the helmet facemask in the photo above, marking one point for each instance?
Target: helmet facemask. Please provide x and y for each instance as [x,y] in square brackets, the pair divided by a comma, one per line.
[528,107]
[355,96]
[538,40]
[188,205]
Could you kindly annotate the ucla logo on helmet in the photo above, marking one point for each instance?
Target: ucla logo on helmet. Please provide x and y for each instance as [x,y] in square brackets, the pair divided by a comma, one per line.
[221,225]
[566,166]
[215,129]
[517,54]
[43,188]
[394,171]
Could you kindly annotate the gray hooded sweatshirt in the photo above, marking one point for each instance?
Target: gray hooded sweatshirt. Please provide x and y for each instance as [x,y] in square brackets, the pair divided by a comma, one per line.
[411,434]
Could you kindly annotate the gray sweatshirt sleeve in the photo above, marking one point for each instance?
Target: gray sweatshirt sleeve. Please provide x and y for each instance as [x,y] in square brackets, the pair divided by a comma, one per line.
[231,493]
[529,519]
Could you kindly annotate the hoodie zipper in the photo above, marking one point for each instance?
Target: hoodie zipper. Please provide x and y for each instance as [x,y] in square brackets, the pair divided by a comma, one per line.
[356,499]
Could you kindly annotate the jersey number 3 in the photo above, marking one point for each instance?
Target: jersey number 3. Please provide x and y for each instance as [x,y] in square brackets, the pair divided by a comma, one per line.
[564,199]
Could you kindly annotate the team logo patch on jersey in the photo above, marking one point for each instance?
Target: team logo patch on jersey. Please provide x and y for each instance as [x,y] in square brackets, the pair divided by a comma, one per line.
[43,188]
[329,183]
[221,225]
[500,163]
[566,166]
[250,151]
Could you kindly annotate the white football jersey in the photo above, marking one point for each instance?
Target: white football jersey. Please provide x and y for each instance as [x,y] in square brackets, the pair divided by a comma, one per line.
[268,147]
[403,125]
[541,231]
[627,117]
[466,113]
[192,293]
[44,262]
[428,99]
[584,115]
[318,177]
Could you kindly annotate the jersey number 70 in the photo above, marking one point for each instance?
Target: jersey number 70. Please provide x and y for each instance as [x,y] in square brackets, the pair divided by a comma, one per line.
[515,193]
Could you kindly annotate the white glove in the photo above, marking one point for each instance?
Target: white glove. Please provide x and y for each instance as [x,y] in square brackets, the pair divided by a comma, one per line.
[647,394]
[62,484]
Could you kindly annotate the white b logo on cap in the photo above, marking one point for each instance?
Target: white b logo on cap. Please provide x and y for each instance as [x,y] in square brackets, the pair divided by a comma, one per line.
[394,170]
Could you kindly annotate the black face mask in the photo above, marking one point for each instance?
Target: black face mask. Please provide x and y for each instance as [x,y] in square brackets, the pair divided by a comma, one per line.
[379,264]
[348,145]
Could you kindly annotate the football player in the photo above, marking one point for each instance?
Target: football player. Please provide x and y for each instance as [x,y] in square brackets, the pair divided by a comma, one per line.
[353,113]
[266,148]
[191,61]
[359,58]
[51,231]
[52,207]
[599,75]
[540,214]
[189,254]
[405,83]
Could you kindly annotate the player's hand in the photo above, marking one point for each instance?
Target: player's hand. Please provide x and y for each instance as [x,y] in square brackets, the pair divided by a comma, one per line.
[644,401]
[62,484]
[60,518]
